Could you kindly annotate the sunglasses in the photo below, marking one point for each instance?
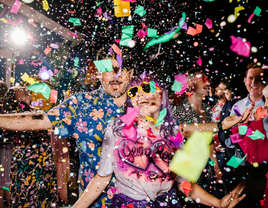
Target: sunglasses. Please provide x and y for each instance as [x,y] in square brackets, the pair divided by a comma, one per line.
[203,78]
[145,87]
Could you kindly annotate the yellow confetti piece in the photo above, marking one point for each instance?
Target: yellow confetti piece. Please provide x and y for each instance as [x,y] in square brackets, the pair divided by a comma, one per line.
[24,77]
[3,20]
[255,165]
[12,80]
[30,81]
[45,5]
[237,10]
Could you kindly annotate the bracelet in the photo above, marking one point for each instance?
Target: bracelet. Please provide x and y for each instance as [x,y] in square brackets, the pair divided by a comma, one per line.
[219,125]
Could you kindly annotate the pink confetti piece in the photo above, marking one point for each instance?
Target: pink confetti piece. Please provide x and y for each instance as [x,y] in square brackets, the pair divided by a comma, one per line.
[181,78]
[31,21]
[15,7]
[141,33]
[53,96]
[240,47]
[20,62]
[16,22]
[199,61]
[208,23]
[73,34]
[250,18]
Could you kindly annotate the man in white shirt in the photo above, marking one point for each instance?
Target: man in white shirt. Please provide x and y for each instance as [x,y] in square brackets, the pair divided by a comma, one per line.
[254,82]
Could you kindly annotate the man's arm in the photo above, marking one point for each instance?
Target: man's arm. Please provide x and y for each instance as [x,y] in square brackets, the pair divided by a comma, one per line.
[25,121]
[188,129]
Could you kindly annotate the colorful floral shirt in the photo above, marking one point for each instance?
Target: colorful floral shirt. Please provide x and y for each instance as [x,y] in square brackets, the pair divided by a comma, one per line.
[216,112]
[85,116]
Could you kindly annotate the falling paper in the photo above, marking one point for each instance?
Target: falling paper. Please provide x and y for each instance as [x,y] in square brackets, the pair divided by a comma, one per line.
[53,96]
[237,10]
[16,6]
[127,33]
[240,47]
[121,8]
[152,33]
[42,88]
[190,161]
[140,11]
[235,161]
[256,135]
[208,23]
[181,78]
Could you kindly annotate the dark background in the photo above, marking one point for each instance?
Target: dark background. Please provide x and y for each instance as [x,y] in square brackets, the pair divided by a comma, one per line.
[214,50]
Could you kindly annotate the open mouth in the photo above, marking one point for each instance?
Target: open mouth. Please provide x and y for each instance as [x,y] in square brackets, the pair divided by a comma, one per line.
[115,85]
[143,102]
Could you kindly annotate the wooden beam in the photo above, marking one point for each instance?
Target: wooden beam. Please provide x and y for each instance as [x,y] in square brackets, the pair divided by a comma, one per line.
[44,20]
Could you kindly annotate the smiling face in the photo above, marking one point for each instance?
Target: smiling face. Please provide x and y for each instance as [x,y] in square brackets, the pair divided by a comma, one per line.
[253,82]
[149,104]
[115,86]
[220,91]
[200,84]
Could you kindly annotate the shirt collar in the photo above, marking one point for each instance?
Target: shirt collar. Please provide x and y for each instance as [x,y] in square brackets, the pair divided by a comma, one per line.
[248,102]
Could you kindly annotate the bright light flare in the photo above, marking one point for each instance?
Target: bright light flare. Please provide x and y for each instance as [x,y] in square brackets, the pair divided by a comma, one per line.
[19,36]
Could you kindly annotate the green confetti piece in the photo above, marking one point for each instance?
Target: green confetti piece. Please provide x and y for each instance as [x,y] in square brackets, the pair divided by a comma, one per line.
[235,161]
[168,36]
[212,162]
[99,3]
[152,86]
[257,11]
[242,130]
[176,86]
[104,65]
[40,87]
[152,33]
[76,62]
[256,135]
[75,21]
[161,117]
[140,11]
[127,33]
[5,188]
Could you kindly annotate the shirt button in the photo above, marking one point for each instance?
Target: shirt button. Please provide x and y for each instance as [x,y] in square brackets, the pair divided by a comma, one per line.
[117,111]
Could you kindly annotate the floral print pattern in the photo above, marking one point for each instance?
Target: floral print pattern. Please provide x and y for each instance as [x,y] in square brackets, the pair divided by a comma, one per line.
[33,171]
[89,115]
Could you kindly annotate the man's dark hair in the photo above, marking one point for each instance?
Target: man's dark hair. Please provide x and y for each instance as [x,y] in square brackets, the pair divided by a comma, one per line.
[227,84]
[252,66]
[192,72]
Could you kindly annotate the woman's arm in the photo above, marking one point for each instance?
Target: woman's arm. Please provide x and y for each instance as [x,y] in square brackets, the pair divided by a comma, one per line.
[25,121]
[93,190]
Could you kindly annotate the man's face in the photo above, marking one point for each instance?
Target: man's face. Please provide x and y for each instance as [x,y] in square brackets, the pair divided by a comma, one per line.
[253,81]
[220,91]
[115,86]
[201,84]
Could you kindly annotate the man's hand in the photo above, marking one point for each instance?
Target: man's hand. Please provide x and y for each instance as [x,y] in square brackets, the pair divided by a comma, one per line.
[230,121]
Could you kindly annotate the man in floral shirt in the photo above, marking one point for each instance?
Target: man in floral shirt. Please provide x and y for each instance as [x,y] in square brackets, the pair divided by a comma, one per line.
[85,116]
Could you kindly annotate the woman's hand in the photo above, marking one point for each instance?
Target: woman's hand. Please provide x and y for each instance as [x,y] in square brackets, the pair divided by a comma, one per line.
[233,197]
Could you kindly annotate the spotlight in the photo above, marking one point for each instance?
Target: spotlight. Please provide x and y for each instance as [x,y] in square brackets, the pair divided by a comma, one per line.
[19,36]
